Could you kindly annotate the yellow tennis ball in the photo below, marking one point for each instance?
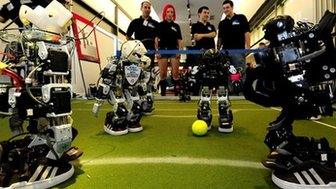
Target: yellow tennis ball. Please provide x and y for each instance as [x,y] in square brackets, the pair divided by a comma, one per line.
[199,128]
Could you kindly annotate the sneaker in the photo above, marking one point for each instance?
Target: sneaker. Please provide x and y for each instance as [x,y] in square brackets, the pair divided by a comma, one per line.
[301,150]
[116,131]
[308,175]
[42,176]
[33,171]
[115,125]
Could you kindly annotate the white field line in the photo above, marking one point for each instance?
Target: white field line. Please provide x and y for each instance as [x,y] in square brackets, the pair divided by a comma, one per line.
[318,122]
[173,160]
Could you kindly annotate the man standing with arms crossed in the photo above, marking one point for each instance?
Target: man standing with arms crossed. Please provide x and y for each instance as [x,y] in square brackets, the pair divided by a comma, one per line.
[234,33]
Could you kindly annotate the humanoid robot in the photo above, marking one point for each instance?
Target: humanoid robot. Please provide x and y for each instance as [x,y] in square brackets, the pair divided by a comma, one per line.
[35,90]
[297,72]
[213,73]
[121,80]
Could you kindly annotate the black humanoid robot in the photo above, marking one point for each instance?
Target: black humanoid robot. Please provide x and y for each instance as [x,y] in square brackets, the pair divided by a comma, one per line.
[297,72]
[213,73]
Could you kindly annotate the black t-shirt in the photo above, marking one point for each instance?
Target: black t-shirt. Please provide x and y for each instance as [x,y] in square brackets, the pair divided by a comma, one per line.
[204,43]
[169,33]
[232,31]
[144,30]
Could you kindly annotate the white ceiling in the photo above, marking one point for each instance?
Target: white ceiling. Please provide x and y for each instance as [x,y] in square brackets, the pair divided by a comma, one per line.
[247,7]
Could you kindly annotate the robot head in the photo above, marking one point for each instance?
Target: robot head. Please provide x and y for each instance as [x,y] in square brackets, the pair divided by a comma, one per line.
[54,17]
[134,51]
[277,29]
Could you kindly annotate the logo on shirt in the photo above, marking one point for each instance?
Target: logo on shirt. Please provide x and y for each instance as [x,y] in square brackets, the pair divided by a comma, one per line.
[150,25]
[10,7]
[209,28]
[174,29]
[25,2]
[235,22]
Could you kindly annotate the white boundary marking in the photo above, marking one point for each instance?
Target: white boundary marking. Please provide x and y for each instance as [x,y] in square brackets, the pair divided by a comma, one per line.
[173,160]
[190,109]
[318,122]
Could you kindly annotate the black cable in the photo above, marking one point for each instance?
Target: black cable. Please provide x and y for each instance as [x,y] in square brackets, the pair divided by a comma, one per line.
[254,44]
[10,23]
[94,27]
[21,134]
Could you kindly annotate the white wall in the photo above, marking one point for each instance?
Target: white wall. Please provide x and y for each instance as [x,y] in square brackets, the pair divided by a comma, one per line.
[91,71]
[300,10]
[309,10]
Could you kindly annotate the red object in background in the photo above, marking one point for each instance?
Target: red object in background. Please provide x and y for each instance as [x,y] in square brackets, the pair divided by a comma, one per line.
[87,48]
[17,80]
[235,77]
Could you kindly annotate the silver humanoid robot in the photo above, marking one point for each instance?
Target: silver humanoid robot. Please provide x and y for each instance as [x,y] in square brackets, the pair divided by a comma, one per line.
[35,90]
[121,80]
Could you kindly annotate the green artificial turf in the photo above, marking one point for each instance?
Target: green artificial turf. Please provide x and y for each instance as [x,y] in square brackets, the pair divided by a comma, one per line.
[167,134]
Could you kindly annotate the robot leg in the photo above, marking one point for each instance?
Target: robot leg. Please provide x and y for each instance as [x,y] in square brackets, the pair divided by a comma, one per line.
[225,117]
[116,120]
[146,93]
[134,114]
[204,107]
[288,150]
[184,92]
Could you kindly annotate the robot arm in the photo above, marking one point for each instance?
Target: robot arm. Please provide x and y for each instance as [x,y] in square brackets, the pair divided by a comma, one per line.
[105,88]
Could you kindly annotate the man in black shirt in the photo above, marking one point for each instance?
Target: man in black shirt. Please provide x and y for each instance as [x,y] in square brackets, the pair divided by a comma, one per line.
[144,29]
[203,32]
[234,33]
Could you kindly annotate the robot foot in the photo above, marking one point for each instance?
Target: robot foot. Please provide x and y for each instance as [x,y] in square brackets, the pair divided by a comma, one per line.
[72,154]
[24,167]
[147,106]
[225,122]
[135,128]
[115,125]
[43,173]
[299,151]
[116,131]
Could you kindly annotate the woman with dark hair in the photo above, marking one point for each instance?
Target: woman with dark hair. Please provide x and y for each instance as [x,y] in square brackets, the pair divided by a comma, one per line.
[169,37]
